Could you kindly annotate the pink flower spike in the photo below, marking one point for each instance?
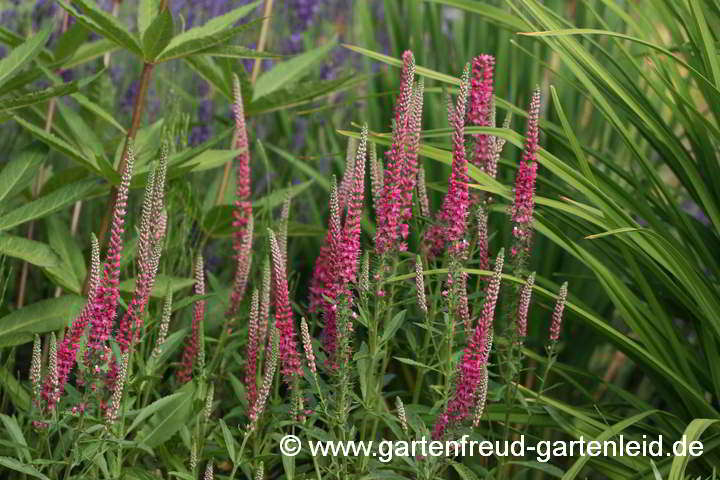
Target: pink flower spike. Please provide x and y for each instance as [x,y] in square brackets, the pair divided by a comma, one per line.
[71,340]
[105,298]
[192,343]
[284,320]
[480,111]
[524,204]
[557,314]
[242,236]
[449,231]
[392,208]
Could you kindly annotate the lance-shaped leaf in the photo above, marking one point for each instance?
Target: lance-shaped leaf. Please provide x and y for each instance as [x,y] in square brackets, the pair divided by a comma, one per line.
[23,54]
[212,33]
[40,317]
[158,35]
[287,72]
[52,202]
[20,170]
[99,21]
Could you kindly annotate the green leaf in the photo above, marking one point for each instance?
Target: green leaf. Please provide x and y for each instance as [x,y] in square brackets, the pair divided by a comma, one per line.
[39,96]
[34,252]
[607,434]
[70,41]
[295,95]
[19,171]
[154,407]
[47,204]
[158,35]
[103,23]
[289,70]
[206,67]
[692,433]
[41,317]
[15,433]
[19,397]
[99,111]
[229,440]
[147,10]
[210,159]
[166,422]
[464,472]
[13,464]
[212,33]
[237,51]
[23,54]
[72,270]
[57,143]
[393,326]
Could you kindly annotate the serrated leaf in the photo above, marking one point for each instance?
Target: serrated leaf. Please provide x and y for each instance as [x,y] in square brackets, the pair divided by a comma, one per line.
[290,70]
[41,317]
[52,202]
[237,51]
[13,464]
[19,171]
[24,53]
[103,23]
[212,33]
[39,96]
[31,251]
[158,35]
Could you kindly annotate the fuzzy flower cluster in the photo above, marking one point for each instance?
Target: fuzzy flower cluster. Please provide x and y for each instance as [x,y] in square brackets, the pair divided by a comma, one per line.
[394,206]
[480,111]
[336,267]
[557,314]
[242,214]
[106,295]
[524,204]
[193,344]
[252,349]
[471,368]
[451,220]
